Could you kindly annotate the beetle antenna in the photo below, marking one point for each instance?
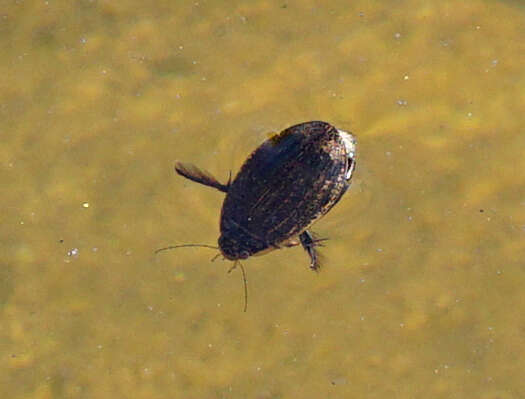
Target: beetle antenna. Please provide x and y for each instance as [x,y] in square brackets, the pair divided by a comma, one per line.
[244,280]
[185,245]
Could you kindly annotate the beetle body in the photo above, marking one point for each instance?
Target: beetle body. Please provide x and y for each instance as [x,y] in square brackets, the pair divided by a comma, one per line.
[284,186]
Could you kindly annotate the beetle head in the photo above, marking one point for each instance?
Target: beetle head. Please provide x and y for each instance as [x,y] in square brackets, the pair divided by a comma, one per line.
[231,249]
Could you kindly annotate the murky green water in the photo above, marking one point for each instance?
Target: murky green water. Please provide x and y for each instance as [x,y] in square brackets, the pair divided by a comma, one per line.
[422,294]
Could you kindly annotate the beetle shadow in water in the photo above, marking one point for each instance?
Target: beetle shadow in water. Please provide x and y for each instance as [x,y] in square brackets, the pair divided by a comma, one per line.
[237,262]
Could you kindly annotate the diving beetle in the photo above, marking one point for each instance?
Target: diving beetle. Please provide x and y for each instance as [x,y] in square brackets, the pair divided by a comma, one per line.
[286,184]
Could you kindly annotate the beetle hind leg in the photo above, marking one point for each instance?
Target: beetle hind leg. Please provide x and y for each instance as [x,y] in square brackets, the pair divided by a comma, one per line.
[197,175]
[309,243]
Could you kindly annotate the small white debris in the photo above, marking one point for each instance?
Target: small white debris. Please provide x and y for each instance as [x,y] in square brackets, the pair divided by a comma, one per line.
[72,252]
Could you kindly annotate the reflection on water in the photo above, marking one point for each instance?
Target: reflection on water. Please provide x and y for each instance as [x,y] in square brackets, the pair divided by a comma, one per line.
[422,290]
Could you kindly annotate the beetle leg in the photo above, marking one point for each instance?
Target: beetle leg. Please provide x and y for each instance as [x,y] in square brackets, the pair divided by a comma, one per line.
[309,243]
[191,172]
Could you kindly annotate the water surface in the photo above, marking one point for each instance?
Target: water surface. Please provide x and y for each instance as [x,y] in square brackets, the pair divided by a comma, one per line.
[422,291]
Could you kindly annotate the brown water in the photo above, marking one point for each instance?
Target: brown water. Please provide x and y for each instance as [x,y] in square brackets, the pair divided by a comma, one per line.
[422,292]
